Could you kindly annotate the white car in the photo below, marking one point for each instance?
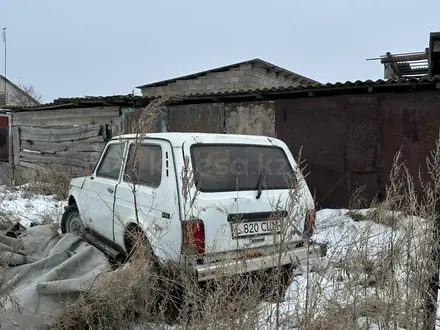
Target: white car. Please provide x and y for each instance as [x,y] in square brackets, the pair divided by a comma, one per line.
[207,202]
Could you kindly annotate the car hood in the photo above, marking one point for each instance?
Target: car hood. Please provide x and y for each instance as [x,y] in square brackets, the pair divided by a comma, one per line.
[77,182]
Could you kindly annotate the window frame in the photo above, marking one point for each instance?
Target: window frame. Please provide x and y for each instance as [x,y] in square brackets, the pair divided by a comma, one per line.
[196,178]
[146,144]
[109,145]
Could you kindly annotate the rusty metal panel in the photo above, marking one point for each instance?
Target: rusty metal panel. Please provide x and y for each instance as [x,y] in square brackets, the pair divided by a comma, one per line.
[253,118]
[363,186]
[132,124]
[404,124]
[318,125]
[203,118]
[362,133]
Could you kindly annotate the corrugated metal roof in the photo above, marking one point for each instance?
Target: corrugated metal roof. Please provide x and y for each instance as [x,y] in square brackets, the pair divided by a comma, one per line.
[308,90]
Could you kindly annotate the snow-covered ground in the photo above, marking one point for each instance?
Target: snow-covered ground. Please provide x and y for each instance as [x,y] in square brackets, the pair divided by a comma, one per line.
[26,207]
[348,237]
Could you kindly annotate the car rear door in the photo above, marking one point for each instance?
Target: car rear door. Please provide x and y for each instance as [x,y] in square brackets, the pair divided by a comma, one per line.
[239,215]
[101,188]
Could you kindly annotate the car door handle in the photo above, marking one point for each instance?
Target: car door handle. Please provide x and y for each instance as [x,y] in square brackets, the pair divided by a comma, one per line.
[110,190]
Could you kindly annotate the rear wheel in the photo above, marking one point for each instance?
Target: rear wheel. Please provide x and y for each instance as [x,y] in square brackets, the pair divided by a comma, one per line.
[71,221]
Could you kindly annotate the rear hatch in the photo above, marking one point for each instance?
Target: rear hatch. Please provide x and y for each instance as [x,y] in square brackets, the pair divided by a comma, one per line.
[248,194]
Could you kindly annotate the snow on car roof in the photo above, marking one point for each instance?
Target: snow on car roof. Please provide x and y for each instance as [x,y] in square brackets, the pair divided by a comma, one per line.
[178,138]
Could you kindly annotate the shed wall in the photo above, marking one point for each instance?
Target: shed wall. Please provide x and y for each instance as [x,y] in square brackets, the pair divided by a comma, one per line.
[65,138]
[350,141]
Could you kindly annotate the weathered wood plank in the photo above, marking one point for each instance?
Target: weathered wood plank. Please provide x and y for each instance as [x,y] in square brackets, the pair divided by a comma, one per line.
[67,113]
[115,130]
[39,167]
[31,157]
[89,144]
[56,138]
[104,131]
[61,169]
[90,157]
[81,147]
[59,130]
[54,147]
[16,145]
[62,121]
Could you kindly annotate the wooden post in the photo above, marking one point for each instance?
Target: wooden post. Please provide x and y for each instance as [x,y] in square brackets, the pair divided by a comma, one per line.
[10,151]
[16,145]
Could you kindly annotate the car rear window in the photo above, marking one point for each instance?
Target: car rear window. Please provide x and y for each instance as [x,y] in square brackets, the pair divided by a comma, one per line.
[230,167]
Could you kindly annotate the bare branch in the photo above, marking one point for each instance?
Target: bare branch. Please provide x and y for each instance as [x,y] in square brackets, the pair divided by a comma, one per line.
[25,96]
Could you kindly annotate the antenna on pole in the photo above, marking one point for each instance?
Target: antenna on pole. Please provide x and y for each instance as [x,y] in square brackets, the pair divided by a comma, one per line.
[4,40]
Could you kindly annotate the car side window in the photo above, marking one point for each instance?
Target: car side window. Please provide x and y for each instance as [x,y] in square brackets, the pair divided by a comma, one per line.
[111,163]
[144,165]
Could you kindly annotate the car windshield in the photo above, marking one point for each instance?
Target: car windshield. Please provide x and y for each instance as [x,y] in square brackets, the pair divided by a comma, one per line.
[222,167]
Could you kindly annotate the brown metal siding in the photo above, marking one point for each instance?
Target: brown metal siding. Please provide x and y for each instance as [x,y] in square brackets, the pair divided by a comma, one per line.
[350,141]
[132,123]
[318,125]
[204,118]
[409,122]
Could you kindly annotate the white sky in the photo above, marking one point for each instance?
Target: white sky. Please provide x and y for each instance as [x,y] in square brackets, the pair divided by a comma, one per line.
[104,47]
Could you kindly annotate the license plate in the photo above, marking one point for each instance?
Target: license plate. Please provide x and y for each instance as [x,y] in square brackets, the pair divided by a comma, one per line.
[255,228]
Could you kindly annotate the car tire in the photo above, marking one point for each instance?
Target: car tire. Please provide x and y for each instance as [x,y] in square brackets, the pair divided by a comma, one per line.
[71,221]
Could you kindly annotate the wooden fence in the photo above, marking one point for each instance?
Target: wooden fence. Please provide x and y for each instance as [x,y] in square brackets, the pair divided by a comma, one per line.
[71,139]
[78,147]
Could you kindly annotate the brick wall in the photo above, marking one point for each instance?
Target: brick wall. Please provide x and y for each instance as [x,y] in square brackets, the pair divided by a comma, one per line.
[246,76]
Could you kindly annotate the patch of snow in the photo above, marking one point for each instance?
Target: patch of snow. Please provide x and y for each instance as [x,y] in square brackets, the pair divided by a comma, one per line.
[27,207]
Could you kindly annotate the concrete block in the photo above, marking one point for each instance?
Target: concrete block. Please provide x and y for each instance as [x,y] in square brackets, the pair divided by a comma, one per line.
[249,72]
[272,75]
[183,82]
[239,85]
[193,87]
[246,66]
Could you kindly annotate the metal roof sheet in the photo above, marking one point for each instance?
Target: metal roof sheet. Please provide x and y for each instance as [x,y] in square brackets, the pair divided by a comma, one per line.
[309,90]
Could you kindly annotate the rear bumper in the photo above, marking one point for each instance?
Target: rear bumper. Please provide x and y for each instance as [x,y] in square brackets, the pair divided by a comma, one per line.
[236,267]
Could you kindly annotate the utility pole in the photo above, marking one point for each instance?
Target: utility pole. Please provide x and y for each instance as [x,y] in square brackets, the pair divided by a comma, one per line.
[4,40]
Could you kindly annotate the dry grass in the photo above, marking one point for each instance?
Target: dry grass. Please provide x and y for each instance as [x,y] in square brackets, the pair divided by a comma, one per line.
[50,180]
[138,293]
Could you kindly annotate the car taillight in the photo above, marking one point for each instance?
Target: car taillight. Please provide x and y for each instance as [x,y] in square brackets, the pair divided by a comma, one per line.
[193,232]
[309,224]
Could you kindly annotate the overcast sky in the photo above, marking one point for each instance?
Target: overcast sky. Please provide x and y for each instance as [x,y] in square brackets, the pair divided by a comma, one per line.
[104,47]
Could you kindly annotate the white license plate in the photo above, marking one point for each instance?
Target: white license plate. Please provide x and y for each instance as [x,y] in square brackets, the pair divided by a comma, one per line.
[255,228]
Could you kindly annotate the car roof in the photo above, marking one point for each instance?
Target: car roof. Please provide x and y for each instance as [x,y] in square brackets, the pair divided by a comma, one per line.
[178,138]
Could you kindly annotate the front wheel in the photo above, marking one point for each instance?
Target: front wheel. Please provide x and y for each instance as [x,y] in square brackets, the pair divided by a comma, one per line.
[71,221]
